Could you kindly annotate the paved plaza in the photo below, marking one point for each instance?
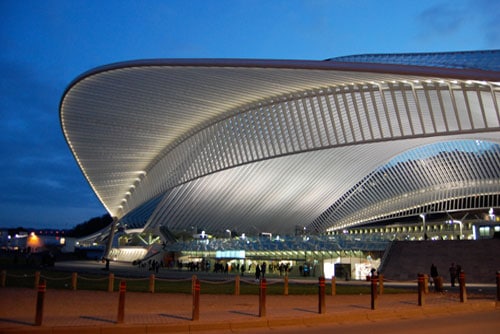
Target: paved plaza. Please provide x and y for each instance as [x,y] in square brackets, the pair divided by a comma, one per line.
[96,311]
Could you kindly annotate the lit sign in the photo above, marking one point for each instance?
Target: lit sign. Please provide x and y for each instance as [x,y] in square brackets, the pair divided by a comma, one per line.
[230,254]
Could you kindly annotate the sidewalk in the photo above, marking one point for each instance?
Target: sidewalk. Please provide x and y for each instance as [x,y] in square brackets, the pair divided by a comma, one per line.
[96,311]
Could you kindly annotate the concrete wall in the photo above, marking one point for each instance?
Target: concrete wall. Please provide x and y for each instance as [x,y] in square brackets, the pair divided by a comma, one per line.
[480,259]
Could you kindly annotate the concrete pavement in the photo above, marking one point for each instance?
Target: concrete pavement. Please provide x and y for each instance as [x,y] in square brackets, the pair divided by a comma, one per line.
[67,311]
[96,311]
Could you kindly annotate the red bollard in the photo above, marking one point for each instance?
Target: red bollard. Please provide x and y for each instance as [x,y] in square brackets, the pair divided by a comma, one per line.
[237,285]
[421,289]
[121,302]
[463,291]
[262,298]
[152,283]
[321,295]
[42,287]
[196,300]
[374,281]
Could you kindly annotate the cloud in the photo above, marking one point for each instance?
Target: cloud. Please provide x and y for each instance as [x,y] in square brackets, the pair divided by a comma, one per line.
[464,22]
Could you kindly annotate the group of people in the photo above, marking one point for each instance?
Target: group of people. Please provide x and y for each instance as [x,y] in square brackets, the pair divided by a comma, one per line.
[260,271]
[454,271]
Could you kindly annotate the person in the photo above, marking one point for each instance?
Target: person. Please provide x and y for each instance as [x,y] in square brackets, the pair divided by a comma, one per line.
[263,269]
[434,273]
[243,269]
[453,274]
[257,272]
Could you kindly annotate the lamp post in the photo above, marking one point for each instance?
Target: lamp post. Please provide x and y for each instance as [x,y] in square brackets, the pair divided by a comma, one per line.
[423,224]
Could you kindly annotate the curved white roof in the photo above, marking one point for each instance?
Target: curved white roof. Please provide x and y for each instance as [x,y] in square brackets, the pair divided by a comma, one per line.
[269,145]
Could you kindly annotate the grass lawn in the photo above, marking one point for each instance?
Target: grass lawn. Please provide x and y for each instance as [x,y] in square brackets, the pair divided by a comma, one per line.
[26,278]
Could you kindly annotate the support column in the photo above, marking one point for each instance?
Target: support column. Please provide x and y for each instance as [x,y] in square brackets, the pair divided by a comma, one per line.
[111,236]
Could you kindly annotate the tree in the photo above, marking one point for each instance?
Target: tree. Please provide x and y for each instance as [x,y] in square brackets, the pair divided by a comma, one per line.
[91,226]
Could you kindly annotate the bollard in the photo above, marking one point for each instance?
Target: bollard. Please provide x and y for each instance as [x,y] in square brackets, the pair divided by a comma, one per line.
[380,284]
[42,287]
[498,286]
[193,282]
[121,302]
[285,287]
[334,286]
[373,291]
[237,285]
[262,298]
[463,291]
[152,283]
[3,277]
[196,300]
[421,289]
[111,282]
[426,284]
[74,280]
[37,279]
[321,295]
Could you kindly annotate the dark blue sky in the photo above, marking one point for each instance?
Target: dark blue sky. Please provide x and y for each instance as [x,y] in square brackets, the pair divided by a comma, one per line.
[47,44]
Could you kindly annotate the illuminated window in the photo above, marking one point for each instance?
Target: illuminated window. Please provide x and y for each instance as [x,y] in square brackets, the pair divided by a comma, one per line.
[484,231]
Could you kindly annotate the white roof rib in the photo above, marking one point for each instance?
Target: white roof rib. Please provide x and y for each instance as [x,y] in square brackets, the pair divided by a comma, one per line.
[255,145]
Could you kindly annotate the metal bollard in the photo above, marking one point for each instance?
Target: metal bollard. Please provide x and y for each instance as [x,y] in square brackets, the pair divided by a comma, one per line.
[463,291]
[193,282]
[321,295]
[3,278]
[196,300]
[334,286]
[111,282]
[374,280]
[262,297]
[498,286]
[380,284]
[74,280]
[151,283]
[42,287]
[121,302]
[421,289]
[237,285]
